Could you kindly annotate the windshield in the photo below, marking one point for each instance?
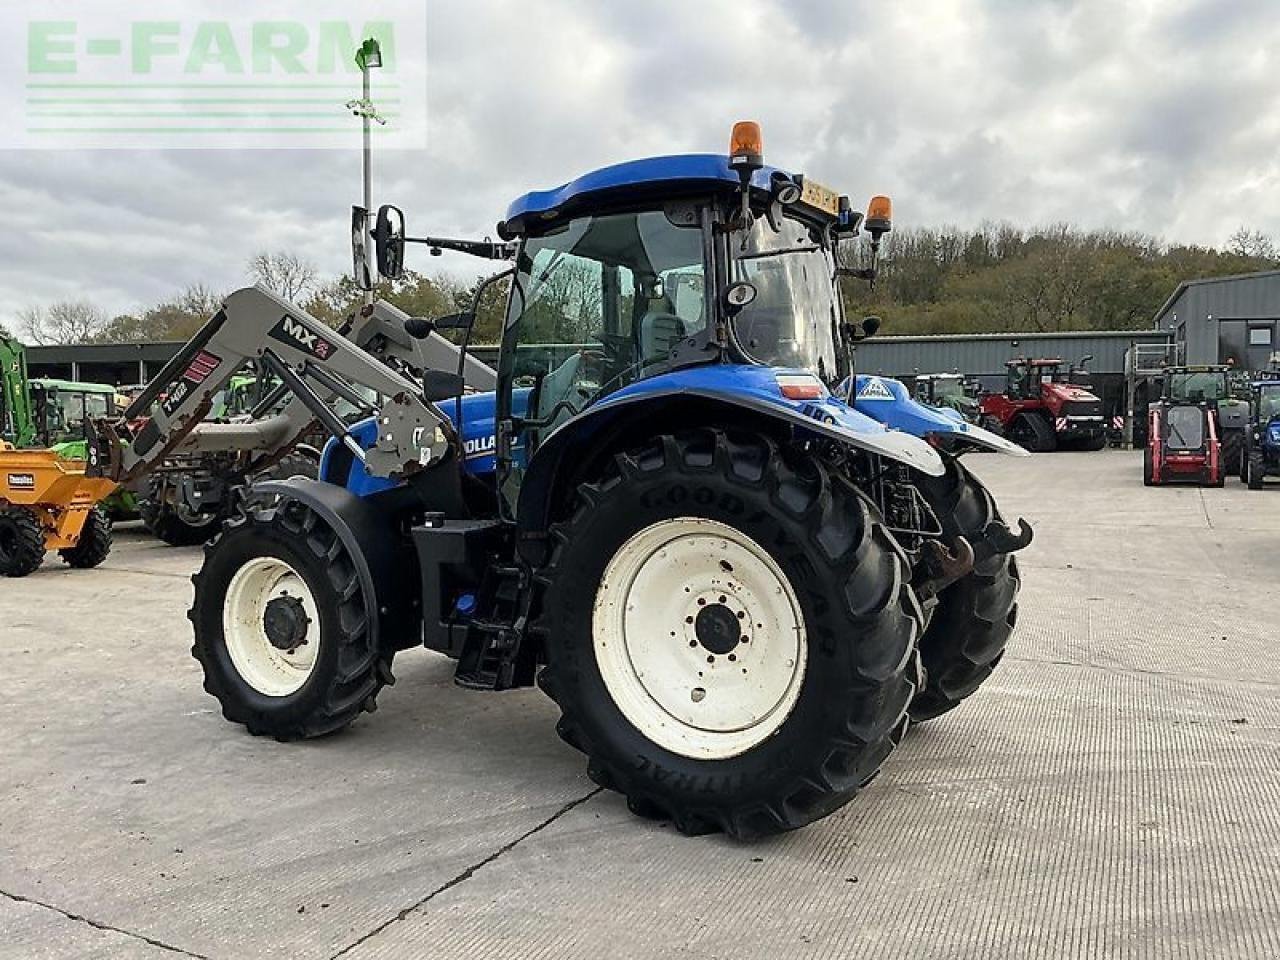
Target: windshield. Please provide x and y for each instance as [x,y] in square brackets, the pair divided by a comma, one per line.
[1197,387]
[67,414]
[793,320]
[1269,403]
[948,390]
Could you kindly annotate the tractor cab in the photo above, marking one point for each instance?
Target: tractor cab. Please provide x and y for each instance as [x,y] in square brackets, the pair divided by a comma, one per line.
[1203,384]
[948,391]
[1023,377]
[62,407]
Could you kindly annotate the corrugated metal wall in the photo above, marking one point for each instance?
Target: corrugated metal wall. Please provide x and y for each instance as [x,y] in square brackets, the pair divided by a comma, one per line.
[985,354]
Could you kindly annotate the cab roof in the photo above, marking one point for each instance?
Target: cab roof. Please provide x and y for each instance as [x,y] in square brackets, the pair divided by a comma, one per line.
[636,179]
[71,386]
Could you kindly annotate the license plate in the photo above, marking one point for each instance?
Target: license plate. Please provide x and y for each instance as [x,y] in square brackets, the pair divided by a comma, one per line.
[820,197]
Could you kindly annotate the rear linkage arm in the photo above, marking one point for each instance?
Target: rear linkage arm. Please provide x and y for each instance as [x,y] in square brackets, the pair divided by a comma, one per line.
[314,363]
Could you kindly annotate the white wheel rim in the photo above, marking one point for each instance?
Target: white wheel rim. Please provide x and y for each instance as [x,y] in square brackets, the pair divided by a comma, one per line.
[651,625]
[270,670]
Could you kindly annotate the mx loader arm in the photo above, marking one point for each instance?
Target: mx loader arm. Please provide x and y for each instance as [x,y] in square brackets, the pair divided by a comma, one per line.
[315,365]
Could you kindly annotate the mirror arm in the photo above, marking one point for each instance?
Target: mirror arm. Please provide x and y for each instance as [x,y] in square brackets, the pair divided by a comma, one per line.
[485,249]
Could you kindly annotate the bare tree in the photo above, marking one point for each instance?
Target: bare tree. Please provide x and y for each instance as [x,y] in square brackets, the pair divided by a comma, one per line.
[1252,243]
[63,322]
[285,273]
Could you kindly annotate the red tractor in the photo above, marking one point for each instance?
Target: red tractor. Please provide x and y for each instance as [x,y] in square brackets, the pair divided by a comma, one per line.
[1045,408]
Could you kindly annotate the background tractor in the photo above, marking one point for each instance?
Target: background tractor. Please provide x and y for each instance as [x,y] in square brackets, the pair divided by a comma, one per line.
[1262,437]
[669,510]
[1211,386]
[1045,407]
[17,427]
[950,391]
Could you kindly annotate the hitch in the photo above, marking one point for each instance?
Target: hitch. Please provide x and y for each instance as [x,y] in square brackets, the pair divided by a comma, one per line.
[943,566]
[997,538]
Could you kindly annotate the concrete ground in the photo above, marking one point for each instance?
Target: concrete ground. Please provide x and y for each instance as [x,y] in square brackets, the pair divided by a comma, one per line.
[1113,791]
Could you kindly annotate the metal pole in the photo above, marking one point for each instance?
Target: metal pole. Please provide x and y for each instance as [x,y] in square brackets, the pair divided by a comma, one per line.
[368,181]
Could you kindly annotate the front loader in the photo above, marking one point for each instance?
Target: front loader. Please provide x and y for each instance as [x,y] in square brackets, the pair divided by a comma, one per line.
[662,513]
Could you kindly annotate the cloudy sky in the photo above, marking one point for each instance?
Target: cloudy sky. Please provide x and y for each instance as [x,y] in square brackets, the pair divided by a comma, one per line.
[1154,115]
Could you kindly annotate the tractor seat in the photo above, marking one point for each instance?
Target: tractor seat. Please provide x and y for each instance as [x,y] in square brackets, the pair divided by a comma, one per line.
[659,333]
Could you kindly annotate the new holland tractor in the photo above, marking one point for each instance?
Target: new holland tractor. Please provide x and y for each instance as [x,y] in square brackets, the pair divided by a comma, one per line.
[671,513]
[1262,437]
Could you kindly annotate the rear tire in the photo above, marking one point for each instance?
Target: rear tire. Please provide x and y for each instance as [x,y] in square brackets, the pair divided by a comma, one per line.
[1032,431]
[792,764]
[94,545]
[286,553]
[21,542]
[976,615]
[1232,455]
[1148,468]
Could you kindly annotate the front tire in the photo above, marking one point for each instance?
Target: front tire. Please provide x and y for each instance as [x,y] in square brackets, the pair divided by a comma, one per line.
[177,528]
[676,548]
[21,542]
[94,545]
[282,626]
[976,615]
[1255,470]
[1232,454]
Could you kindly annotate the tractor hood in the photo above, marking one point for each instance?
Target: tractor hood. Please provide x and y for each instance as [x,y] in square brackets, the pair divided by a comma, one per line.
[1069,393]
[888,402]
[793,395]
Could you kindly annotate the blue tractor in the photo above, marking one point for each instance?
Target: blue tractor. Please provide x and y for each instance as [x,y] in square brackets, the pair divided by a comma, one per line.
[1262,436]
[739,570]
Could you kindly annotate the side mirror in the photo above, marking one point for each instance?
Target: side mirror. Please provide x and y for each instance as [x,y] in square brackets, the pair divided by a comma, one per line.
[740,295]
[360,248]
[388,239]
[864,329]
[421,327]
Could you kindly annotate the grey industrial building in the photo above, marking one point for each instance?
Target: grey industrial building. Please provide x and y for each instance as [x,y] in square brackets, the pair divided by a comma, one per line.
[1226,319]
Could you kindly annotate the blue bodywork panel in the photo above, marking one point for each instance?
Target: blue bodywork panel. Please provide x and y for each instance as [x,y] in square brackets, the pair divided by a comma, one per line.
[752,387]
[479,435]
[889,402]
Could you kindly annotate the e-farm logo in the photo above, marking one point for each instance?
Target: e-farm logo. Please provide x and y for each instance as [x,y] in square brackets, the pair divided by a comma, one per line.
[228,74]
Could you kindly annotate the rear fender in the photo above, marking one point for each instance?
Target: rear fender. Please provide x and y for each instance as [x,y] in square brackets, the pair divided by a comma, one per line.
[654,406]
[888,402]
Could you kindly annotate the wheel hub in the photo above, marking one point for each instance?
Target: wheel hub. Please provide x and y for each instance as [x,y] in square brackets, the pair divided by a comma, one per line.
[285,622]
[716,627]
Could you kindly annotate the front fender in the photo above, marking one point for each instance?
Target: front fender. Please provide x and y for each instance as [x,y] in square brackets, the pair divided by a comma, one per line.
[887,401]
